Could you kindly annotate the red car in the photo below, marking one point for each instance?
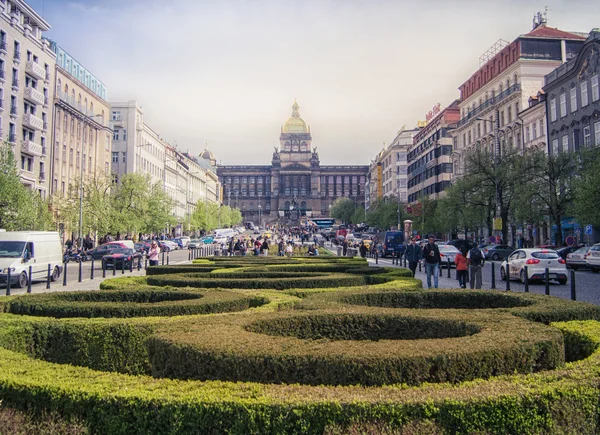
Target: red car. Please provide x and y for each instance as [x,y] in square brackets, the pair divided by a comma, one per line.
[119,259]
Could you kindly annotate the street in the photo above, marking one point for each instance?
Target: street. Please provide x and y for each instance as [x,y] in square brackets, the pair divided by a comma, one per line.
[587,283]
[175,257]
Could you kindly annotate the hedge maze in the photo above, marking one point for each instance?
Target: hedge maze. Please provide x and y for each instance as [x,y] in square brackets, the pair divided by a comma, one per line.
[301,345]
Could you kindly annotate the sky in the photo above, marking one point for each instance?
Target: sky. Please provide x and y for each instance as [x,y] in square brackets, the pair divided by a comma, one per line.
[226,72]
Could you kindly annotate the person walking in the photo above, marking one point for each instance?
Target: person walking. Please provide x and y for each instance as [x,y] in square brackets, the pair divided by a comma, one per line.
[431,254]
[475,261]
[153,254]
[363,250]
[265,247]
[413,255]
[462,269]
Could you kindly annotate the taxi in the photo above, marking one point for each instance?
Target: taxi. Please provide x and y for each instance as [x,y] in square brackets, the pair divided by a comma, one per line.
[367,243]
[537,261]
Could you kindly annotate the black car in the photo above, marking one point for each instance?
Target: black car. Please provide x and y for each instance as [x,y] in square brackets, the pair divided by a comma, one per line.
[460,243]
[102,250]
[119,259]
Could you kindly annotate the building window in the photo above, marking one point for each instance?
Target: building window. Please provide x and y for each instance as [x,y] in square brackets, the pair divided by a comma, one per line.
[509,114]
[124,134]
[116,116]
[595,89]
[563,105]
[553,110]
[565,143]
[116,135]
[534,127]
[573,100]
[542,132]
[124,157]
[584,94]
[115,157]
[555,146]
[587,136]
[597,133]
[527,135]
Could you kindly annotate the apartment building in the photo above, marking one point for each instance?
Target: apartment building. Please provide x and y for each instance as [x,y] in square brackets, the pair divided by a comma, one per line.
[509,74]
[81,137]
[429,157]
[26,91]
[534,122]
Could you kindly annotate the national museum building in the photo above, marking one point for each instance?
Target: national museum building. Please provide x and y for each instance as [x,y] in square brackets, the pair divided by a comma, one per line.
[295,184]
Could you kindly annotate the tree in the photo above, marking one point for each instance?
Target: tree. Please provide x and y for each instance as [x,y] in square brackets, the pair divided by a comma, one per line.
[20,208]
[551,185]
[343,209]
[359,215]
[384,213]
[586,188]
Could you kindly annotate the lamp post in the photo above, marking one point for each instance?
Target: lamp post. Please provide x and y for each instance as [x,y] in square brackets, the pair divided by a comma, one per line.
[85,117]
[259,216]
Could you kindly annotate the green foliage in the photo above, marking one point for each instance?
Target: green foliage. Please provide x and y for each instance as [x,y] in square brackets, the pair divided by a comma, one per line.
[586,193]
[343,209]
[384,213]
[20,208]
[131,303]
[208,216]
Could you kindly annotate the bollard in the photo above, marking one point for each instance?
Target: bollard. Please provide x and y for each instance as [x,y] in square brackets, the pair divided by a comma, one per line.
[29,281]
[419,266]
[163,258]
[573,293]
[167,258]
[8,282]
[103,270]
[140,262]
[547,281]
[79,277]
[92,272]
[145,263]
[114,268]
[405,261]
[189,255]
[131,264]
[507,281]
[449,268]
[48,278]
[64,274]
[526,283]
[376,257]
[122,267]
[493,276]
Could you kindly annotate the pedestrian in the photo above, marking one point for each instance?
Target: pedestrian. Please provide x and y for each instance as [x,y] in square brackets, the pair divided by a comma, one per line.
[153,254]
[475,261]
[289,250]
[413,256]
[281,248]
[431,254]
[265,247]
[462,269]
[363,250]
[344,247]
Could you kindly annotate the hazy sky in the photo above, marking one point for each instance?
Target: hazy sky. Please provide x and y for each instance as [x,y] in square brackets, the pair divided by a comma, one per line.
[227,72]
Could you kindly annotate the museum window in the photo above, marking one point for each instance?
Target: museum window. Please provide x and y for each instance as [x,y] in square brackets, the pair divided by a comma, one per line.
[597,133]
[573,99]
[553,110]
[584,94]
[595,89]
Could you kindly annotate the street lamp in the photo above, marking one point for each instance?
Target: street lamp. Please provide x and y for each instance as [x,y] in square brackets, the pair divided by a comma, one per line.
[81,175]
[259,216]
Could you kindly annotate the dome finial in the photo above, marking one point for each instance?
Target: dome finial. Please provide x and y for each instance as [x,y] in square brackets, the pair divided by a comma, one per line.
[295,110]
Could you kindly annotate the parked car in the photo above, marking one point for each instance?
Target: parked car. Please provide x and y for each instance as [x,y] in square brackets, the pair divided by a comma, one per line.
[578,259]
[182,242]
[536,260]
[497,252]
[100,251]
[393,243]
[593,258]
[167,245]
[459,243]
[119,259]
[566,250]
[448,252]
[207,240]
[194,243]
[142,247]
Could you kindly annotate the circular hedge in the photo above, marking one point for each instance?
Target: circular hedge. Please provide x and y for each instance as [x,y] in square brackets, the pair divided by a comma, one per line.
[380,346]
[131,303]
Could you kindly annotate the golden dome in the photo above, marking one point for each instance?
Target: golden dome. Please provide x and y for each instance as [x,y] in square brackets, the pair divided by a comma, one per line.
[295,124]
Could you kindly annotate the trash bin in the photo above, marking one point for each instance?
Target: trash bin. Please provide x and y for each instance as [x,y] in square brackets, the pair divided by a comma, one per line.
[339,251]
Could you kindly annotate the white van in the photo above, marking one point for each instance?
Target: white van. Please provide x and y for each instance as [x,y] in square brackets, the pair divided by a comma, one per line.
[224,232]
[21,249]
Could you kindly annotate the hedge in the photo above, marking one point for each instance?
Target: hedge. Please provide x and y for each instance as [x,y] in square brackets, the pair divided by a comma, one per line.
[131,303]
[206,281]
[366,346]
[556,402]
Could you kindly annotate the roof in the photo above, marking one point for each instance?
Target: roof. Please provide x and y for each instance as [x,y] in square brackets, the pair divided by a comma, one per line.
[546,32]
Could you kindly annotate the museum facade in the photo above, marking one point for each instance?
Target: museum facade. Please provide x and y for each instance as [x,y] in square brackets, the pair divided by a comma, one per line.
[295,184]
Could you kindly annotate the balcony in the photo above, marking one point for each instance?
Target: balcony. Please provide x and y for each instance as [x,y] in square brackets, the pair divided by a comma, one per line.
[31,148]
[32,121]
[35,70]
[62,96]
[34,96]
[489,103]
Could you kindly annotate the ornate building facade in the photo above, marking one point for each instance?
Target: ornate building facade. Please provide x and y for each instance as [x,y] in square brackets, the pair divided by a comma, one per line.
[295,184]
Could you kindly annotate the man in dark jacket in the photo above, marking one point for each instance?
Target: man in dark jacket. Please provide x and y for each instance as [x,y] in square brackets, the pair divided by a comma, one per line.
[413,255]
[431,254]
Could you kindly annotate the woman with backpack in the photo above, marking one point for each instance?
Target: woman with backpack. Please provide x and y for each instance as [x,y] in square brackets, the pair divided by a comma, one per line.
[475,261]
[462,273]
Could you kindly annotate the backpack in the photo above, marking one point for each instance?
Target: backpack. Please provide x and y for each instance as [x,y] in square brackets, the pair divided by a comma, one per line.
[476,256]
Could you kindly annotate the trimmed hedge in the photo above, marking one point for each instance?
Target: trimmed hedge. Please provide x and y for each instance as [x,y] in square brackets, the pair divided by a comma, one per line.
[207,281]
[230,347]
[556,402]
[128,303]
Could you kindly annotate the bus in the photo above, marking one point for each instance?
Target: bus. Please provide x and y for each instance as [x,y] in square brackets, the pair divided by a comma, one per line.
[323,222]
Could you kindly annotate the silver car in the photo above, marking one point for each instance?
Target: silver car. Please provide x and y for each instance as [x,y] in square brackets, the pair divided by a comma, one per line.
[578,258]
[448,253]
